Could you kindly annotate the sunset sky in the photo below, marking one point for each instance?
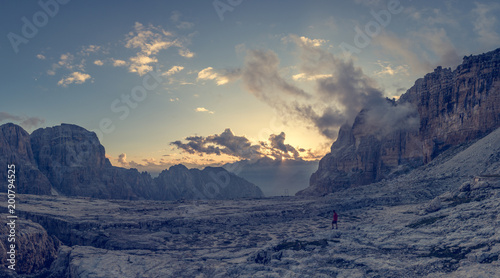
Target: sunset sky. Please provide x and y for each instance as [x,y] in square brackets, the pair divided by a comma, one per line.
[208,82]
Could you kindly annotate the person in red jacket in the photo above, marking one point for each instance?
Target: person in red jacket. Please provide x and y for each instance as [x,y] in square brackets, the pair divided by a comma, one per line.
[335,218]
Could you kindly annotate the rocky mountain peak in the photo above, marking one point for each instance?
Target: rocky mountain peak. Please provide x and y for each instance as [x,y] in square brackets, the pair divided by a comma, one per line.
[69,146]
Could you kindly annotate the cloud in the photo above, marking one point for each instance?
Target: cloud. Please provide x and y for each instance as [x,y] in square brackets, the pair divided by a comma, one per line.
[304,77]
[141,64]
[242,148]
[40,56]
[184,52]
[423,51]
[210,74]
[485,23]
[150,41]
[173,70]
[437,41]
[262,78]
[118,63]
[279,149]
[401,48]
[149,164]
[203,109]
[312,42]
[75,77]
[434,16]
[388,69]
[25,122]
[341,90]
[68,62]
[98,62]
[386,116]
[122,160]
[87,50]
[176,18]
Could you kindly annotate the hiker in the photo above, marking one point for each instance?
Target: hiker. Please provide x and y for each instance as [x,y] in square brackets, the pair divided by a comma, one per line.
[335,218]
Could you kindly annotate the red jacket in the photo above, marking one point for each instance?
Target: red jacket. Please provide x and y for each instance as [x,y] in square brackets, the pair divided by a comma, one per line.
[335,216]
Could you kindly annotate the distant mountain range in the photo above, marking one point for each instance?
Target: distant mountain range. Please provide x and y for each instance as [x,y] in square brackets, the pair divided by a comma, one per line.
[275,177]
[444,109]
[69,160]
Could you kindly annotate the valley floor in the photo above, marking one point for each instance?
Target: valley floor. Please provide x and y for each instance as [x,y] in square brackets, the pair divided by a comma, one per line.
[275,237]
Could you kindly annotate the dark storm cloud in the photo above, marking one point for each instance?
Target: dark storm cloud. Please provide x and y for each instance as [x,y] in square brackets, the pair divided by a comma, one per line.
[239,146]
[279,148]
[224,143]
[341,89]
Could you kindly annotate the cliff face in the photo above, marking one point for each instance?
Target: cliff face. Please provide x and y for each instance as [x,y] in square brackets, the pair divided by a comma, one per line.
[15,148]
[75,163]
[69,160]
[445,108]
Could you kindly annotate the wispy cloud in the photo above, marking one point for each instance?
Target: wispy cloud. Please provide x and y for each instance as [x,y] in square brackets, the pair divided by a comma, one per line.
[118,63]
[173,70]
[180,24]
[341,89]
[386,68]
[422,50]
[41,56]
[75,77]
[150,40]
[210,74]
[186,53]
[304,77]
[98,62]
[146,163]
[203,109]
[485,23]
[26,122]
[261,76]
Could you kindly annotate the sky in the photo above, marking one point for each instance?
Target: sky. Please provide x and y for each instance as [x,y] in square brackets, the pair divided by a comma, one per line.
[210,82]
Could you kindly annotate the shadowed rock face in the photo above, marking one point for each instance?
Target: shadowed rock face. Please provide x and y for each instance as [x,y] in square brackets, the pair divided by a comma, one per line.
[15,148]
[451,107]
[210,183]
[75,163]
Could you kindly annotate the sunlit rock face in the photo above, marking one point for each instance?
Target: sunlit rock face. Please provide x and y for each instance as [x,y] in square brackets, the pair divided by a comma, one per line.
[445,108]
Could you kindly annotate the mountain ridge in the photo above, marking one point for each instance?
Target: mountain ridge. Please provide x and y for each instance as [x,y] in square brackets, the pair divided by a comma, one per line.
[68,159]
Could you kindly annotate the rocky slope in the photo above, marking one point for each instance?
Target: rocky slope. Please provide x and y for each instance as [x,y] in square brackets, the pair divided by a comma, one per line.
[444,109]
[35,249]
[69,160]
